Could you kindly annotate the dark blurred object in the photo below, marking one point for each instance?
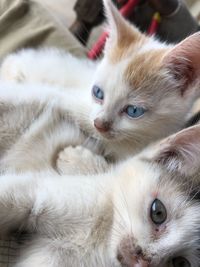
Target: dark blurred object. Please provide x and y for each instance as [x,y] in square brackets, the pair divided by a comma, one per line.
[164,7]
[176,20]
[89,13]
[176,23]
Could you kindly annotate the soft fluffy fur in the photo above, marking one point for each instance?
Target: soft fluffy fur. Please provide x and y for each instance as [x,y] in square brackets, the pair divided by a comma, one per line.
[39,128]
[105,220]
[135,70]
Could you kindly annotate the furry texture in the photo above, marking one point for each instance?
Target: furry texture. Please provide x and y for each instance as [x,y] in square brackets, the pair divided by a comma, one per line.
[105,220]
[37,123]
[136,70]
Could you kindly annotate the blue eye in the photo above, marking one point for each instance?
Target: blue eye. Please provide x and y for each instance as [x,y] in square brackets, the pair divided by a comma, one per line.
[97,93]
[134,111]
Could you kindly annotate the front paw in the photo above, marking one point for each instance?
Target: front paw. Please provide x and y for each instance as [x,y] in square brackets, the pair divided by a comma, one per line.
[80,160]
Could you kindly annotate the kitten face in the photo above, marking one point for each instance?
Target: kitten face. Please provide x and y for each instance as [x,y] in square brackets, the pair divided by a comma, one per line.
[156,222]
[137,98]
[143,90]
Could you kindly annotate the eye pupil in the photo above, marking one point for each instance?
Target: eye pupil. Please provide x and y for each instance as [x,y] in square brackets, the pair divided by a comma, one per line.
[134,111]
[158,212]
[97,93]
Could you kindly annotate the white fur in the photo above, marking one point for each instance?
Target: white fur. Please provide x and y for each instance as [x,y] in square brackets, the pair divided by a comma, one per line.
[84,221]
[58,71]
[158,90]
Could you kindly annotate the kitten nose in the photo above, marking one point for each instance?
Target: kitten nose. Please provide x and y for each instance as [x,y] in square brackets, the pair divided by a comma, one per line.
[102,126]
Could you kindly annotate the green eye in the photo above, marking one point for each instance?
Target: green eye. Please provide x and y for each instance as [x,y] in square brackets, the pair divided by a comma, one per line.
[180,262]
[158,212]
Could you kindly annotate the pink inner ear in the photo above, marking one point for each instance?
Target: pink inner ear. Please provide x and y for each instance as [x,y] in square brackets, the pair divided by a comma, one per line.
[181,151]
[184,61]
[187,137]
[183,72]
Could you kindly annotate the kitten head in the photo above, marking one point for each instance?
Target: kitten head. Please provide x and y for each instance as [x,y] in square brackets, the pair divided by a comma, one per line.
[157,205]
[143,89]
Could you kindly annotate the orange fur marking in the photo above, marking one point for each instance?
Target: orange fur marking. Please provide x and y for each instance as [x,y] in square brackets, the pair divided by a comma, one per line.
[143,67]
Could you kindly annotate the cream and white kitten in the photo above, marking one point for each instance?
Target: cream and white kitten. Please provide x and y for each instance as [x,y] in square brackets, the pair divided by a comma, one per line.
[144,213]
[142,90]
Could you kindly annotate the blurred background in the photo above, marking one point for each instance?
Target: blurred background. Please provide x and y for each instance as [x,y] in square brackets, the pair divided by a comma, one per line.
[63,11]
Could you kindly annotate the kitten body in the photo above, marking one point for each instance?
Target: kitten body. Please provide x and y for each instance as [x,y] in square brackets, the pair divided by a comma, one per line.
[110,219]
[36,125]
[148,87]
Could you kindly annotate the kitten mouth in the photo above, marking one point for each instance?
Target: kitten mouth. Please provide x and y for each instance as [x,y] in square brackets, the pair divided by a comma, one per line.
[132,261]
[106,135]
[131,255]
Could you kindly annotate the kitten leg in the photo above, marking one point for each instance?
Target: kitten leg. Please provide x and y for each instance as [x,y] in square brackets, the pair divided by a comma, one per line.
[80,160]
[46,205]
[51,66]
[18,195]
[28,201]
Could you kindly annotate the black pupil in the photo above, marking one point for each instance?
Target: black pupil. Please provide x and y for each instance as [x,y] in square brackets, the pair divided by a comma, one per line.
[158,212]
[134,109]
[98,93]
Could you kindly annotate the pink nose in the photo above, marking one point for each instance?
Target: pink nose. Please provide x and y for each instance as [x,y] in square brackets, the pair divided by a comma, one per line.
[102,126]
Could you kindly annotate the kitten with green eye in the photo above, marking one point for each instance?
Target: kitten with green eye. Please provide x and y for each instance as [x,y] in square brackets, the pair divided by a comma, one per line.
[142,90]
[143,213]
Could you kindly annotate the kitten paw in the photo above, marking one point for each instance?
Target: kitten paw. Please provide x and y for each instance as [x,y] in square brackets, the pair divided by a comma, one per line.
[80,160]
[12,69]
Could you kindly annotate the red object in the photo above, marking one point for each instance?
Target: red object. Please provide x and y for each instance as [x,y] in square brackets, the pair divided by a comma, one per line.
[154,24]
[97,48]
[126,11]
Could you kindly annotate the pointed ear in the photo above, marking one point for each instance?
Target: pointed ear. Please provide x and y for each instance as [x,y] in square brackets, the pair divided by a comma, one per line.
[183,62]
[120,30]
[180,152]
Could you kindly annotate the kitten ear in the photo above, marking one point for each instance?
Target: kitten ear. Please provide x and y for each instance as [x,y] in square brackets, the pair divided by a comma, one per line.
[180,152]
[183,61]
[120,30]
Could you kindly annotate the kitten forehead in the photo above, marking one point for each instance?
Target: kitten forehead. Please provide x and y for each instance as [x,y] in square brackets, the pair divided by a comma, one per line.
[144,66]
[139,61]
[159,182]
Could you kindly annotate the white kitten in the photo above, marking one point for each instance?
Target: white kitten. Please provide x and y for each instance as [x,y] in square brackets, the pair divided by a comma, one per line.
[138,215]
[142,90]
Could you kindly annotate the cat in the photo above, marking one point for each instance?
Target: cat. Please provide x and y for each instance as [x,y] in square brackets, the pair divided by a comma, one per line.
[142,90]
[143,213]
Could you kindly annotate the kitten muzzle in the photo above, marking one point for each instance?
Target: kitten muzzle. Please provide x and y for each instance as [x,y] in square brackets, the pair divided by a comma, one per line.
[131,255]
[102,126]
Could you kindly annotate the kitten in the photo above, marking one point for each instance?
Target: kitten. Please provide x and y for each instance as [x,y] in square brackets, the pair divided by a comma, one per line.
[144,213]
[142,90]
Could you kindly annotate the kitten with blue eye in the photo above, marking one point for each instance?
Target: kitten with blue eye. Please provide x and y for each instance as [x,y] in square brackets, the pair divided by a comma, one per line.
[142,90]
[143,213]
